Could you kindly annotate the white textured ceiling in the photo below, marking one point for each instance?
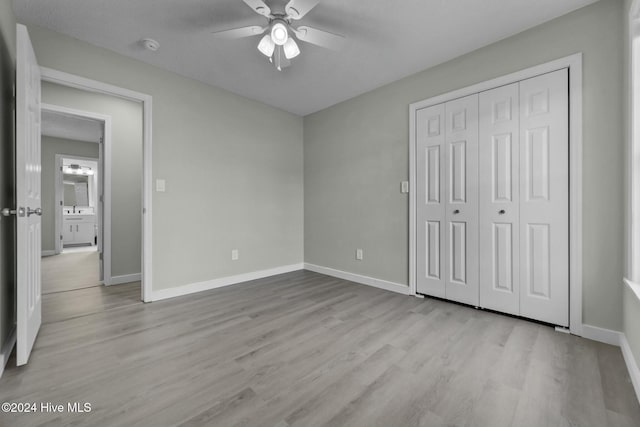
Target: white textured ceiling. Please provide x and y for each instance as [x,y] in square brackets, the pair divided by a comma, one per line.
[64,126]
[386,40]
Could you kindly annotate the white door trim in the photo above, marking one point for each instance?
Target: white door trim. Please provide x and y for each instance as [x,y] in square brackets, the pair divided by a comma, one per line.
[105,152]
[632,267]
[71,80]
[574,64]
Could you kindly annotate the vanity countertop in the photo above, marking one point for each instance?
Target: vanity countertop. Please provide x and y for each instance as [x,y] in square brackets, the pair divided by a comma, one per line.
[79,217]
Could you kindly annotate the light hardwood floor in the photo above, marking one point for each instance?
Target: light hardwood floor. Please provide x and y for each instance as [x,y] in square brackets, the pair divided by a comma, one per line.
[69,271]
[303,349]
[61,306]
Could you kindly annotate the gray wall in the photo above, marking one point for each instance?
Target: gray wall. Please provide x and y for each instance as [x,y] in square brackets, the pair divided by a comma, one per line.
[7,225]
[631,304]
[50,147]
[126,167]
[356,154]
[233,168]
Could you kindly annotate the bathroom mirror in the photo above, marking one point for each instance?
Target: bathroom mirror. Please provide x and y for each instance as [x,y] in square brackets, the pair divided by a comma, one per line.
[76,190]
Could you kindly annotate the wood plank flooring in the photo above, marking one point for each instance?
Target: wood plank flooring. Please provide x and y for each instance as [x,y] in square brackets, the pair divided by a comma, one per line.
[66,305]
[303,349]
[69,271]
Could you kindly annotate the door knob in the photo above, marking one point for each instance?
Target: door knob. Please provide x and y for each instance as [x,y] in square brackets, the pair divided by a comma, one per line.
[7,212]
[502,212]
[36,211]
[457,211]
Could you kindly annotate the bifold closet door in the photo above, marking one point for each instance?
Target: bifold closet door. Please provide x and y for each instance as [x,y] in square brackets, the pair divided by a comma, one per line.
[544,198]
[447,200]
[493,199]
[499,196]
[461,190]
[430,200]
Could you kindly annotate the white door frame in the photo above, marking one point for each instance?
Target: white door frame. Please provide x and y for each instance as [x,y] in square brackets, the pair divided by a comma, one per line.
[77,82]
[574,64]
[632,270]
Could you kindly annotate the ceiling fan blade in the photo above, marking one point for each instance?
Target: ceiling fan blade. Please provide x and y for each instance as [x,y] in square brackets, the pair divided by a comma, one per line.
[319,37]
[259,7]
[296,9]
[238,33]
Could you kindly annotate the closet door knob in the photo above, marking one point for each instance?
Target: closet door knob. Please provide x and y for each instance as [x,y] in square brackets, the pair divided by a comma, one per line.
[502,212]
[457,211]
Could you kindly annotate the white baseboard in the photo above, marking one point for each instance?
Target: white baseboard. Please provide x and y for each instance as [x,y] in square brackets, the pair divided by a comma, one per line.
[223,281]
[606,336]
[6,350]
[632,364]
[365,280]
[48,253]
[126,278]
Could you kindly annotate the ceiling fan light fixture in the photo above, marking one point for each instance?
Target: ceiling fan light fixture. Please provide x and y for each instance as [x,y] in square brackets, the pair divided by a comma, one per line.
[279,39]
[266,46]
[291,49]
[279,33]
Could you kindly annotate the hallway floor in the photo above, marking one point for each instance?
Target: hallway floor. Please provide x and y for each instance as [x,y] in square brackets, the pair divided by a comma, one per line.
[74,269]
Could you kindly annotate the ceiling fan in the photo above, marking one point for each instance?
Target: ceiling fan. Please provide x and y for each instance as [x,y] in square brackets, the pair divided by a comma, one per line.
[279,44]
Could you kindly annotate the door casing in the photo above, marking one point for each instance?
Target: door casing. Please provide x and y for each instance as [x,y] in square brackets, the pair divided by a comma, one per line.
[77,82]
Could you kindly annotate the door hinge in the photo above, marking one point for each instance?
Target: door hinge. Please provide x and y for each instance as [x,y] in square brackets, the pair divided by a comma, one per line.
[100,255]
[101,199]
[61,203]
[61,237]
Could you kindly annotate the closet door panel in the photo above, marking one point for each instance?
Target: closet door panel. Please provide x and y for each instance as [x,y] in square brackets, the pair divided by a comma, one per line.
[430,215]
[544,198]
[499,199]
[461,216]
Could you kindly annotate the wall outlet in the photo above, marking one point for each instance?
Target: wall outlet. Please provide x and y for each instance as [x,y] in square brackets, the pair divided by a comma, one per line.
[160,185]
[235,254]
[359,254]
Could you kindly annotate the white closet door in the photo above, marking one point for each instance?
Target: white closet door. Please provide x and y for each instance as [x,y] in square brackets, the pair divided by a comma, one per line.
[499,199]
[544,198]
[431,201]
[461,190]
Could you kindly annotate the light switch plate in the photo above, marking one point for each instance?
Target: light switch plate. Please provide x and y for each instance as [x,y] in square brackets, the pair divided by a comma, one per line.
[234,255]
[160,185]
[359,254]
[404,187]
